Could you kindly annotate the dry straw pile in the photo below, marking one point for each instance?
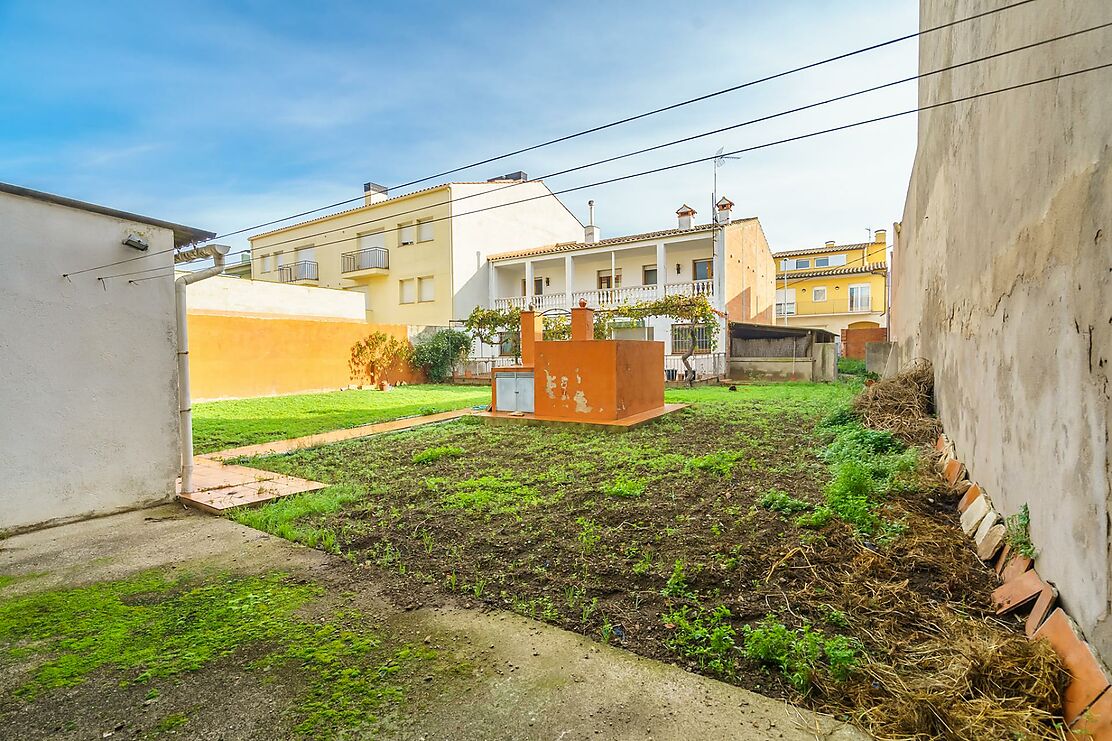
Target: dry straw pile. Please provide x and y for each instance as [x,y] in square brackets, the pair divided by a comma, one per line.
[903,405]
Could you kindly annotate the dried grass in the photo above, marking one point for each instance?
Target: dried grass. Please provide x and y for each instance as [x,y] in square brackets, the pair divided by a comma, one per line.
[903,404]
[940,664]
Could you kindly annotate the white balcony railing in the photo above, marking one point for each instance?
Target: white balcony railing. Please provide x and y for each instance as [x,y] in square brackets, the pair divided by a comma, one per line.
[694,288]
[510,302]
[547,301]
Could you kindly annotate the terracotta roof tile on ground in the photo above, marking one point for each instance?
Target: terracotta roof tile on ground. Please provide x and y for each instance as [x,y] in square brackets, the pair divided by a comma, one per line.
[550,249]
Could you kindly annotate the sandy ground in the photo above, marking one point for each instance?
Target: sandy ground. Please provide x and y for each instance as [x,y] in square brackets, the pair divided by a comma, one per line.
[528,680]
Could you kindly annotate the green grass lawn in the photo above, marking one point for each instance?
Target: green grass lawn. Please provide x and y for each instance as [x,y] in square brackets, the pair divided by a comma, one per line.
[218,425]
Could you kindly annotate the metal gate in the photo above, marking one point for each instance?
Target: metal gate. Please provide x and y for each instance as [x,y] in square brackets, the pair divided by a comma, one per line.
[514,391]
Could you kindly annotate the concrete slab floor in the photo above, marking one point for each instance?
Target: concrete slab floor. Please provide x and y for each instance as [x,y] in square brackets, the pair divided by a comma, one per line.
[531,680]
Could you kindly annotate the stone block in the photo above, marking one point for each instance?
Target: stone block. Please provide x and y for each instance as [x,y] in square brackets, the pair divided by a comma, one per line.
[991,542]
[971,517]
[970,494]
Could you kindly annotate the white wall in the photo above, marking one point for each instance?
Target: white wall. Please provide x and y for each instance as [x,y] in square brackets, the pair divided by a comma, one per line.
[240,296]
[88,377]
[531,224]
[1003,278]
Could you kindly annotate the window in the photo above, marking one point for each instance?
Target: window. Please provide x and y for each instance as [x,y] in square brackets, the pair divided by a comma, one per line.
[833,261]
[407,291]
[281,258]
[267,263]
[424,230]
[681,339]
[604,281]
[701,270]
[308,253]
[785,301]
[800,263]
[860,298]
[818,295]
[803,263]
[372,239]
[822,262]
[538,286]
[407,233]
[648,275]
[426,289]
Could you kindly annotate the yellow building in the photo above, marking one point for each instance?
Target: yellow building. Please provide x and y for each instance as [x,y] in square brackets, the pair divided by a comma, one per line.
[834,287]
[420,258]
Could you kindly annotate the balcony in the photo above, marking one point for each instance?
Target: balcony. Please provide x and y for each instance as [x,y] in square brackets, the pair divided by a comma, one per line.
[301,272]
[854,305]
[607,296]
[365,264]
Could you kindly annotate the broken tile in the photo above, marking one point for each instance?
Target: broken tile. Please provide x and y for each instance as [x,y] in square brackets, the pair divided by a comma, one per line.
[1002,559]
[970,494]
[953,472]
[1046,601]
[1095,724]
[962,486]
[1017,593]
[972,516]
[987,522]
[1016,567]
[940,442]
[1087,679]
[991,542]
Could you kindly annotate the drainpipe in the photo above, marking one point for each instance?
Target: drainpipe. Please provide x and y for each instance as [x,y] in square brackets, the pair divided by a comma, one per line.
[185,406]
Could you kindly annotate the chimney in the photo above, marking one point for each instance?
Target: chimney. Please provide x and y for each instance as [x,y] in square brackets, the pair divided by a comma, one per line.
[880,236]
[686,215]
[722,216]
[511,176]
[590,232]
[374,193]
[830,244]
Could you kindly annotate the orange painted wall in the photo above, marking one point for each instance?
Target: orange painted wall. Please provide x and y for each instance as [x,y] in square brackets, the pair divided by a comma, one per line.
[598,379]
[235,356]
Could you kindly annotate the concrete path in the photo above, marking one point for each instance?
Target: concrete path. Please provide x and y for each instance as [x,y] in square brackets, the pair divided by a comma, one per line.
[323,438]
[531,680]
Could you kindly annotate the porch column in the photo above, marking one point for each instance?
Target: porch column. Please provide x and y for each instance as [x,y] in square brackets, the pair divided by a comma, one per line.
[569,276]
[492,284]
[528,283]
[661,270]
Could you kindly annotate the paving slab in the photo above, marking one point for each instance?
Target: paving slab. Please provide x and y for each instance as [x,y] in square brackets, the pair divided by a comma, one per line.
[532,680]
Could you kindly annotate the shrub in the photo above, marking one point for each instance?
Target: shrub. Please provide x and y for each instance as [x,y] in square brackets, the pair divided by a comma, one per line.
[676,586]
[1018,533]
[431,455]
[705,637]
[440,353]
[801,653]
[624,487]
[780,501]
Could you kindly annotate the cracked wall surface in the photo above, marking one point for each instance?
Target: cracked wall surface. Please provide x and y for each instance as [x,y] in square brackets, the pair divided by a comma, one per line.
[1002,276]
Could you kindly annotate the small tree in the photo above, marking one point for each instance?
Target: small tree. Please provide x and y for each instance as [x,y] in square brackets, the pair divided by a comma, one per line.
[376,355]
[694,312]
[488,324]
[439,354]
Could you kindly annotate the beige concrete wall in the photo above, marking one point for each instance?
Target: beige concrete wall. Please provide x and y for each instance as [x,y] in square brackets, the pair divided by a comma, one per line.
[1004,265]
[88,375]
[258,297]
[750,272]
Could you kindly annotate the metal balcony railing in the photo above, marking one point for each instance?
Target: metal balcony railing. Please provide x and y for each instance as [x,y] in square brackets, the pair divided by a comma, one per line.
[301,270]
[368,259]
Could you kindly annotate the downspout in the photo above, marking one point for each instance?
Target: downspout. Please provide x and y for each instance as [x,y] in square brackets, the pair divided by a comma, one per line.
[185,405]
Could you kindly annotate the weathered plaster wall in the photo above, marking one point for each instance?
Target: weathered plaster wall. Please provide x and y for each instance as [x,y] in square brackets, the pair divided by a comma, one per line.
[88,376]
[1004,266]
[750,274]
[266,298]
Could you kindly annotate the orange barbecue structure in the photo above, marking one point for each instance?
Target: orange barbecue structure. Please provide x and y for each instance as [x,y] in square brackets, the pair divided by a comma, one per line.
[617,383]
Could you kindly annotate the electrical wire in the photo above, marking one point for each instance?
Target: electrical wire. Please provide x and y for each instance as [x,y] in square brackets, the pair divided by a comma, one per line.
[646,114]
[628,119]
[684,140]
[754,148]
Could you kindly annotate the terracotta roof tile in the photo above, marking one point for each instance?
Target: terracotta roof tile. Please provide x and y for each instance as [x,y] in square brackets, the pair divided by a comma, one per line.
[834,248]
[852,270]
[552,249]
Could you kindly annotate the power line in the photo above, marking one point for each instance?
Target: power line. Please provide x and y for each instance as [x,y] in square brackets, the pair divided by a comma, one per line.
[704,134]
[646,114]
[628,119]
[745,150]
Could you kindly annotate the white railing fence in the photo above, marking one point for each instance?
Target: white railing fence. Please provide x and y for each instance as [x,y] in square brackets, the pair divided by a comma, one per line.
[706,365]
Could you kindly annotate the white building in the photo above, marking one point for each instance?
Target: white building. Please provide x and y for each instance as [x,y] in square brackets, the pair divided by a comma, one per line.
[88,370]
[728,261]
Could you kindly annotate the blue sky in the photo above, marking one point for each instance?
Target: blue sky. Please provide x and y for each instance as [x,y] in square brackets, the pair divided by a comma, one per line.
[222,115]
